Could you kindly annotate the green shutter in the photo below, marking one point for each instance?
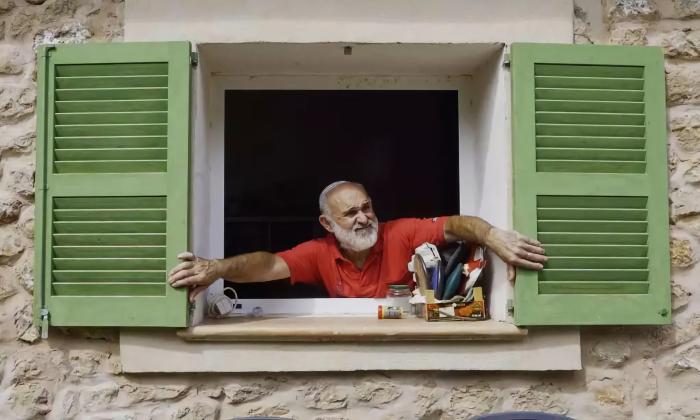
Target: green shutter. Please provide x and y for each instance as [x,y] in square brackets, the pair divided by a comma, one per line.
[112,182]
[590,182]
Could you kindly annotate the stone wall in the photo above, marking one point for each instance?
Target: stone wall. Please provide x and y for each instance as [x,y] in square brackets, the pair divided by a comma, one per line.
[641,373]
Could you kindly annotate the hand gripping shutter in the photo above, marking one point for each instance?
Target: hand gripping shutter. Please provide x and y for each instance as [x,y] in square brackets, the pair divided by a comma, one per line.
[590,183]
[113,171]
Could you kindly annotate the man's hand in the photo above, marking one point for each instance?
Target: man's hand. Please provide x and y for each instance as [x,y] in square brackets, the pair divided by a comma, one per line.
[516,250]
[194,272]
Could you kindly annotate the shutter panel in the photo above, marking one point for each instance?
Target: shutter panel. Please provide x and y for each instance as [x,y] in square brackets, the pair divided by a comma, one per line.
[112,177]
[590,182]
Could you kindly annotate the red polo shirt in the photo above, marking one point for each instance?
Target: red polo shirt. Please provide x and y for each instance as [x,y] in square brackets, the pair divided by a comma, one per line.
[320,262]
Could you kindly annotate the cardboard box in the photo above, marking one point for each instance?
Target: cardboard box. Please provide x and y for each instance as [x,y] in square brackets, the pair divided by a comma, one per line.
[460,311]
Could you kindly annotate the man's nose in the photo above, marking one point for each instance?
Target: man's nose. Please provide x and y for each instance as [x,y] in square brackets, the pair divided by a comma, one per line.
[362,218]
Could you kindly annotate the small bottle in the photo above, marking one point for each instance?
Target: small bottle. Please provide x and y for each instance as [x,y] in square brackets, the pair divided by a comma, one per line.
[389,312]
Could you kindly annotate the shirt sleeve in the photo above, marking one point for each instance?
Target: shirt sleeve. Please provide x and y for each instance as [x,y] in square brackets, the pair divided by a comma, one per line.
[418,231]
[302,261]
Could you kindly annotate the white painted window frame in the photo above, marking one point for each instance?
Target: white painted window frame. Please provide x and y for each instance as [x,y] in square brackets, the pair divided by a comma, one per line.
[485,88]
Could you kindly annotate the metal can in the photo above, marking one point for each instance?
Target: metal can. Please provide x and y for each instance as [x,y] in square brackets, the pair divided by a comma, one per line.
[389,312]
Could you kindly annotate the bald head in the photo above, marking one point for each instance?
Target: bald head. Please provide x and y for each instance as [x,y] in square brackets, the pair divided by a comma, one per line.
[333,190]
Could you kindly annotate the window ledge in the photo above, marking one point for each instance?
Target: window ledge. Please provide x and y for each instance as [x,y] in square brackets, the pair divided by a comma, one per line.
[348,329]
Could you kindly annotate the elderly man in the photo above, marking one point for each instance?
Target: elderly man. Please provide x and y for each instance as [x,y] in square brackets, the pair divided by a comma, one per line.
[360,257]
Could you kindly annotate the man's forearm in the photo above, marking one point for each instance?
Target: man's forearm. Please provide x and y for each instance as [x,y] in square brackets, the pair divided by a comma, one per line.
[247,268]
[467,228]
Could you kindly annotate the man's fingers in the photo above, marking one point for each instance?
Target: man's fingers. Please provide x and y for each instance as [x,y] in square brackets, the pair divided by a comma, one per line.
[531,241]
[532,248]
[186,256]
[180,275]
[194,292]
[520,262]
[182,266]
[511,273]
[531,256]
[187,281]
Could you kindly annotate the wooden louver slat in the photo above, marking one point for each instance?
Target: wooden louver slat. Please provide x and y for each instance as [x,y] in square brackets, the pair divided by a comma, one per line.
[590,119]
[110,118]
[107,246]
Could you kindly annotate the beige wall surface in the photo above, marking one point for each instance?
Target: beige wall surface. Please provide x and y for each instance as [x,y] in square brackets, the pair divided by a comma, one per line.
[349,21]
[628,372]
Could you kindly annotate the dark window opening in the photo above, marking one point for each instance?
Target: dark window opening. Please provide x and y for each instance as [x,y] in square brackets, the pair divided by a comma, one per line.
[282,147]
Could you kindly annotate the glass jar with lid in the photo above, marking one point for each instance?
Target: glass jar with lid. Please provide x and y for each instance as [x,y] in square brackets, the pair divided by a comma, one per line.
[398,295]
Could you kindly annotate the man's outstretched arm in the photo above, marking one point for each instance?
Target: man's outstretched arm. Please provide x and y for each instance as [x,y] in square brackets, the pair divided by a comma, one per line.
[512,247]
[198,273]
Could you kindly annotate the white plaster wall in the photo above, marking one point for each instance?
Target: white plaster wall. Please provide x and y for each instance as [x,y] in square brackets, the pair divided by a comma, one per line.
[349,21]
[149,351]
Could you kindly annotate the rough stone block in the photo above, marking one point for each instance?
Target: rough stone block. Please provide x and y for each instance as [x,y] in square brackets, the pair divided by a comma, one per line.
[276,410]
[617,10]
[238,394]
[681,84]
[85,363]
[679,296]
[324,397]
[687,361]
[22,22]
[16,102]
[10,244]
[691,173]
[99,397]
[6,6]
[471,400]
[9,209]
[24,270]
[540,398]
[13,60]
[684,43]
[686,9]
[73,33]
[195,409]
[377,394]
[613,351]
[21,180]
[428,402]
[17,142]
[690,224]
[36,364]
[130,394]
[682,254]
[628,33]
[651,341]
[30,399]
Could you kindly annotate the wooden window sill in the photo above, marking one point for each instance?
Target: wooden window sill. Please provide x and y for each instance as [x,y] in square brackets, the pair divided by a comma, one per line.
[348,329]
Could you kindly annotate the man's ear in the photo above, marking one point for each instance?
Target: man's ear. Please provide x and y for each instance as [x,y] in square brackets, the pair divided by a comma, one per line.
[323,220]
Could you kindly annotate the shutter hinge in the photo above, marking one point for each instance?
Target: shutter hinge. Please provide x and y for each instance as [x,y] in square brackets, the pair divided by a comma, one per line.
[44,316]
[506,60]
[510,307]
[194,58]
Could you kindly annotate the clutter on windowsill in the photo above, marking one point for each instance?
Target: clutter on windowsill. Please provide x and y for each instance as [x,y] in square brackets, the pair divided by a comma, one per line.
[446,283]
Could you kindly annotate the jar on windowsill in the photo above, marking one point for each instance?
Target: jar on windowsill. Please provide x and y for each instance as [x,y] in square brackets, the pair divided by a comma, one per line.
[398,295]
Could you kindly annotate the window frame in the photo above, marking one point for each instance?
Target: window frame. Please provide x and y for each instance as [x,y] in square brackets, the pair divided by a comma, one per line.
[469,93]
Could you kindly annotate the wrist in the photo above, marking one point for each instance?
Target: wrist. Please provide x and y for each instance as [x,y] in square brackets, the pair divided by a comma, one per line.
[215,270]
[488,237]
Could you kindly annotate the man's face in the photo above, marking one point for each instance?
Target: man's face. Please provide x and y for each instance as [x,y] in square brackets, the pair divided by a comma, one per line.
[351,219]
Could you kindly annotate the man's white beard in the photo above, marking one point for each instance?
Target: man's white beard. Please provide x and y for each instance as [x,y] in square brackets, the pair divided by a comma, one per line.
[356,240]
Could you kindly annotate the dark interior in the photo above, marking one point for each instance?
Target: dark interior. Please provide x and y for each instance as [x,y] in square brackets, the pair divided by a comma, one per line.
[284,146]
